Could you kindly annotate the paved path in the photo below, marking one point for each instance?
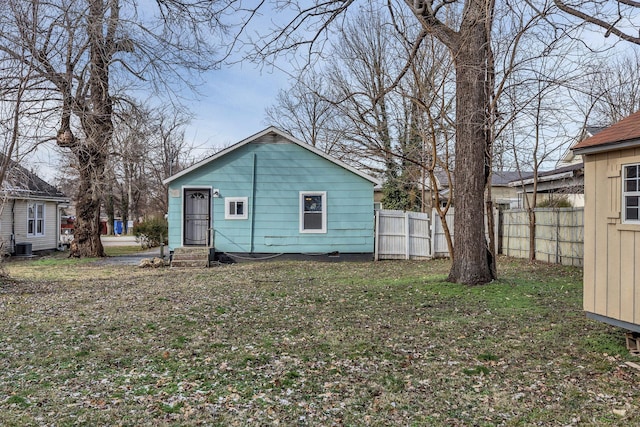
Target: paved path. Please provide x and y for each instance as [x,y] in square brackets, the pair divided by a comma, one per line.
[130,259]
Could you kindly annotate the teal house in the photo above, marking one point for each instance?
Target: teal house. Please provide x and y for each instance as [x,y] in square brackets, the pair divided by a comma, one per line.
[272,194]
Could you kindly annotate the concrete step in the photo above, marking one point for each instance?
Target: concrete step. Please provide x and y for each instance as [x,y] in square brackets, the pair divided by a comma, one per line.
[190,257]
[189,263]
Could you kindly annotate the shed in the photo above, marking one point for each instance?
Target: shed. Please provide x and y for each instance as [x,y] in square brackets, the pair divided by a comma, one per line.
[272,194]
[612,223]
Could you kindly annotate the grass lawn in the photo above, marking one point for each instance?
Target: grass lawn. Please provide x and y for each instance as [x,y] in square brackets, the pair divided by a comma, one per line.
[302,343]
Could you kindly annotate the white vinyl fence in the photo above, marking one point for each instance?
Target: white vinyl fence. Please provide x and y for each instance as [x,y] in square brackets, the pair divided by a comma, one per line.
[402,235]
[413,235]
[439,247]
[410,235]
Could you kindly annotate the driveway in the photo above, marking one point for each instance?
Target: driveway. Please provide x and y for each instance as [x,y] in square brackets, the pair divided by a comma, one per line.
[129,259]
[119,241]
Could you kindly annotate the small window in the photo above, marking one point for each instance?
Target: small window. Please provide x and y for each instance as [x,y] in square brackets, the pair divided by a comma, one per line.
[313,212]
[236,207]
[35,219]
[631,193]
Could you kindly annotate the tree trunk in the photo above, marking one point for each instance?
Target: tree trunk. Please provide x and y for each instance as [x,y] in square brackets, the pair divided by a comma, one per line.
[98,128]
[471,261]
[86,241]
[532,233]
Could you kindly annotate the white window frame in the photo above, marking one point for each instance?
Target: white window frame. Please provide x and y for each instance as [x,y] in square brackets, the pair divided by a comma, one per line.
[38,219]
[626,193]
[232,213]
[323,194]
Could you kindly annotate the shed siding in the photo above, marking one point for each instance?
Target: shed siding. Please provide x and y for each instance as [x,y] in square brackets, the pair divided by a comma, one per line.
[612,249]
[281,171]
[589,263]
[635,278]
[627,285]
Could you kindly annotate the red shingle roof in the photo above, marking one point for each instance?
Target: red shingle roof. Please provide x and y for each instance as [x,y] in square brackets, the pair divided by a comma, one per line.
[626,130]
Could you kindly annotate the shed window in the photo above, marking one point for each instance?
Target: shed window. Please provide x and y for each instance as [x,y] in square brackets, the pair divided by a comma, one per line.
[631,193]
[235,207]
[35,219]
[313,212]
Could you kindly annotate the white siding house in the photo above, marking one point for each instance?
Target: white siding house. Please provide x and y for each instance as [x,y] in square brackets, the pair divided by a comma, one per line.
[29,211]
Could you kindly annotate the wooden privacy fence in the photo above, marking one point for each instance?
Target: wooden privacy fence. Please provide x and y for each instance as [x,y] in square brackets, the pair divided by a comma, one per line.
[559,235]
[414,235]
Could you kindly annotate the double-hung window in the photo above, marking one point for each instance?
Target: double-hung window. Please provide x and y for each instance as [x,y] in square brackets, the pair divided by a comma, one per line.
[236,207]
[631,193]
[35,219]
[313,211]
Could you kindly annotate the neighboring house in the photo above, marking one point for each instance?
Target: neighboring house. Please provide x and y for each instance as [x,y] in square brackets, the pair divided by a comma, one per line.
[272,194]
[31,212]
[612,223]
[566,180]
[502,194]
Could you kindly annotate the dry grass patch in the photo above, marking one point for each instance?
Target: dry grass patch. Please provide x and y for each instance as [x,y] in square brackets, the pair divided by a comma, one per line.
[386,343]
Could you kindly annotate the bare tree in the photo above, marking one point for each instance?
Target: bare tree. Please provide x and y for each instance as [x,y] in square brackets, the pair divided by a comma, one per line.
[615,88]
[305,111]
[430,91]
[350,109]
[617,17]
[84,52]
[169,153]
[466,34]
[464,27]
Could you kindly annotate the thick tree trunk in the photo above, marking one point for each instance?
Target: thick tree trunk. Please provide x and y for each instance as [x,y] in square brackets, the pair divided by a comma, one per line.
[471,262]
[87,241]
[96,120]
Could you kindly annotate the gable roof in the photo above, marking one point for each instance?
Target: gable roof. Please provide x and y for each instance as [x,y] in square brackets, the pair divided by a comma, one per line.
[499,178]
[276,132]
[19,182]
[569,157]
[575,169]
[625,133]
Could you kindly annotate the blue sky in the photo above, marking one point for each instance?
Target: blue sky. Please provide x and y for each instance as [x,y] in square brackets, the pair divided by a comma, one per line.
[232,105]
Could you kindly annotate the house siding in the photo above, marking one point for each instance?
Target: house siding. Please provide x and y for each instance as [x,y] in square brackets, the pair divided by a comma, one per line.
[14,220]
[612,249]
[282,170]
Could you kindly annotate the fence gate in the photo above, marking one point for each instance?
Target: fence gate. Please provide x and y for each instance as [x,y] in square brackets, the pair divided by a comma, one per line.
[402,235]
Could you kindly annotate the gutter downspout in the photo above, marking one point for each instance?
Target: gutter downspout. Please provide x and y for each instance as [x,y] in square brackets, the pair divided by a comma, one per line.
[13,226]
[253,203]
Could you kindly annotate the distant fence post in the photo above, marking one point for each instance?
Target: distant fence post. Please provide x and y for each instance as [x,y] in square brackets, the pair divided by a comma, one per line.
[407,239]
[376,239]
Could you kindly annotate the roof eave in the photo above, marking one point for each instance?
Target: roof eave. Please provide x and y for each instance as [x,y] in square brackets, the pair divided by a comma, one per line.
[58,199]
[271,129]
[612,146]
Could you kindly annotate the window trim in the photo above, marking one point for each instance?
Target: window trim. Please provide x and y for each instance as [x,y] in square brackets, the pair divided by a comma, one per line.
[626,194]
[232,215]
[322,194]
[39,221]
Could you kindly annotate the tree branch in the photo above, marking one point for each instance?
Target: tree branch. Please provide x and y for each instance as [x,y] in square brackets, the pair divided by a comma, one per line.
[590,19]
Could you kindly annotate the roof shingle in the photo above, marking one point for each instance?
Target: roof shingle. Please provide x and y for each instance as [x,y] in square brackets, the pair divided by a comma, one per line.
[627,129]
[20,182]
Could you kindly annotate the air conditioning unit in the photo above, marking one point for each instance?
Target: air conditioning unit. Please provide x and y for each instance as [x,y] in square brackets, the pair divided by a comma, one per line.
[23,249]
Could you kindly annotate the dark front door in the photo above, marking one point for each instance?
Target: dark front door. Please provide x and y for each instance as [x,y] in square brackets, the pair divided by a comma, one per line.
[197,215]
